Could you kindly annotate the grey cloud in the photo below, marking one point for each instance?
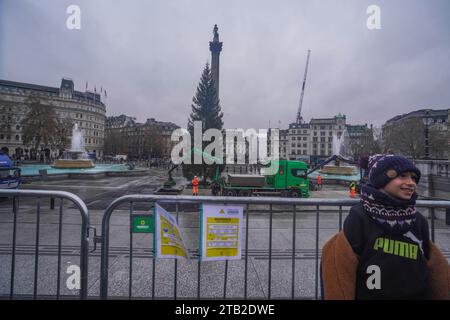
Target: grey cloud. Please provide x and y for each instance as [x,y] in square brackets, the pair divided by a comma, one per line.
[149,55]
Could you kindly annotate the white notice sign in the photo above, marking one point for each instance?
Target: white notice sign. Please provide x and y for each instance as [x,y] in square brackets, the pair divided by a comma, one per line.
[221,232]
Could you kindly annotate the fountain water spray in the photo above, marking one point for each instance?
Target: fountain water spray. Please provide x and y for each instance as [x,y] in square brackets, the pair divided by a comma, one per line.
[76,157]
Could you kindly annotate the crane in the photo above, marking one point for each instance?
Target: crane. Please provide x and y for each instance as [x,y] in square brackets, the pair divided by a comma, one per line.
[299,113]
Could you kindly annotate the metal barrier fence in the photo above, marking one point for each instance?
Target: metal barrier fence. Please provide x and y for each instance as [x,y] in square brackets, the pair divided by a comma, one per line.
[295,204]
[14,196]
[271,208]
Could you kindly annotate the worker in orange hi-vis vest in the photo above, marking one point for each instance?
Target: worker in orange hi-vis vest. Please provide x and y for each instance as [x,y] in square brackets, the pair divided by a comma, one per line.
[319,182]
[352,189]
[195,186]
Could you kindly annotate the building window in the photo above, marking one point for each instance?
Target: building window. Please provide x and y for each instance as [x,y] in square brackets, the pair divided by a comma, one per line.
[314,139]
[305,132]
[2,137]
[17,127]
[330,139]
[8,137]
[315,133]
[329,146]
[304,145]
[330,133]
[17,137]
[322,133]
[322,139]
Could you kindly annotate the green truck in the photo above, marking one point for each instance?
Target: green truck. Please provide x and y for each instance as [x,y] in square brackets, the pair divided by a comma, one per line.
[289,181]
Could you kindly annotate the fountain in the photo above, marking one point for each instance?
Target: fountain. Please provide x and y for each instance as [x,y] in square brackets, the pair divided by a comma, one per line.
[340,149]
[76,157]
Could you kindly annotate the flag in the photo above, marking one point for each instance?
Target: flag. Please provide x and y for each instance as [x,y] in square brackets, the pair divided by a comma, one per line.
[101,89]
[106,96]
[95,89]
[86,85]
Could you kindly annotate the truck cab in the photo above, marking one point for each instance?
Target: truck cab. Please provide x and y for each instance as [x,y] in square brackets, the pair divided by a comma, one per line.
[291,176]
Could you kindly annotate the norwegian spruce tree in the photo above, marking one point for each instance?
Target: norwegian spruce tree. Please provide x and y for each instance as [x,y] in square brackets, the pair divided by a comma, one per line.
[205,108]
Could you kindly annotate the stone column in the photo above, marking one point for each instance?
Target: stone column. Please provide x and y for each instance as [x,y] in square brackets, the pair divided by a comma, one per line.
[215,47]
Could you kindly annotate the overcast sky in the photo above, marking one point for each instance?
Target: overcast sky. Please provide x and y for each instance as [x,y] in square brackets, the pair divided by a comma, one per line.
[149,55]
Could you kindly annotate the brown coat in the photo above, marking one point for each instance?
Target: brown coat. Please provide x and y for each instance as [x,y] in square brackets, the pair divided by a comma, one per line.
[339,265]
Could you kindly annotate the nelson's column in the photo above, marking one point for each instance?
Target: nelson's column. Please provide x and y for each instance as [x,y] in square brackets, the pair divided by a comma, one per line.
[215,47]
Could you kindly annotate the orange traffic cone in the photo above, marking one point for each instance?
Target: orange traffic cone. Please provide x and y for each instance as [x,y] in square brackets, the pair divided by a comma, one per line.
[352,193]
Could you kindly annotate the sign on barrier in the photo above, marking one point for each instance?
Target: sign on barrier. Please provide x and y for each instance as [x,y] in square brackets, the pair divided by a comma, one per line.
[168,240]
[220,232]
[143,223]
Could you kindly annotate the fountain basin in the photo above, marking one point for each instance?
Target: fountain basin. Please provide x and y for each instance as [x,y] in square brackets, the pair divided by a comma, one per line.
[73,164]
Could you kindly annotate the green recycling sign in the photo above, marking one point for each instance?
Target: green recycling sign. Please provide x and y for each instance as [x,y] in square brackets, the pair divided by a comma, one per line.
[143,224]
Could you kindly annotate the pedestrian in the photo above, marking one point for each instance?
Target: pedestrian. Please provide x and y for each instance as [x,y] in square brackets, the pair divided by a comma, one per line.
[319,182]
[195,186]
[384,250]
[352,189]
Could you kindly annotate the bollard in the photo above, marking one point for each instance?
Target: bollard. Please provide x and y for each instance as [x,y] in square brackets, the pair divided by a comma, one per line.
[447,216]
[52,203]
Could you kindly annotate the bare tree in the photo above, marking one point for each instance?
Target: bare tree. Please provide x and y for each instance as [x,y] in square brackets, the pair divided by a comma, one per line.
[116,142]
[40,123]
[363,145]
[63,135]
[438,141]
[406,137]
[153,144]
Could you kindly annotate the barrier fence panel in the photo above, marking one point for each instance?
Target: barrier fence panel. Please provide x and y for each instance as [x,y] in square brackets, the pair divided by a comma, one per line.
[267,269]
[28,239]
[267,222]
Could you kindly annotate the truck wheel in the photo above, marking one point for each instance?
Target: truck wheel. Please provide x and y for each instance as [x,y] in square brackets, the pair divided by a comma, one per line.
[230,193]
[245,193]
[295,194]
[284,194]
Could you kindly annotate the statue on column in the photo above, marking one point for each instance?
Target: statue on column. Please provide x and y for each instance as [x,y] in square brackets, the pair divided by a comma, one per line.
[216,34]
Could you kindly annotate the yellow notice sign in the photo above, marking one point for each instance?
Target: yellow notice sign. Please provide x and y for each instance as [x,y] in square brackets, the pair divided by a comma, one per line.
[169,242]
[221,237]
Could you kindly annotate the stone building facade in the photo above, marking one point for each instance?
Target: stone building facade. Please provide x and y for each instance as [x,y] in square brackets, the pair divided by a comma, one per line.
[139,140]
[314,138]
[437,120]
[84,108]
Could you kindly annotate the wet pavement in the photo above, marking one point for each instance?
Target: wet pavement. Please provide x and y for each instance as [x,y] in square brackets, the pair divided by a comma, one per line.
[269,254]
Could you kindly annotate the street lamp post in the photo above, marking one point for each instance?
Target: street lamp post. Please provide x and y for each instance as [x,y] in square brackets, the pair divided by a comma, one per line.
[427,142]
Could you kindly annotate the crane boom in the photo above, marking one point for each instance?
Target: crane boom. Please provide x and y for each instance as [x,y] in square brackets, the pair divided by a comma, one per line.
[299,113]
